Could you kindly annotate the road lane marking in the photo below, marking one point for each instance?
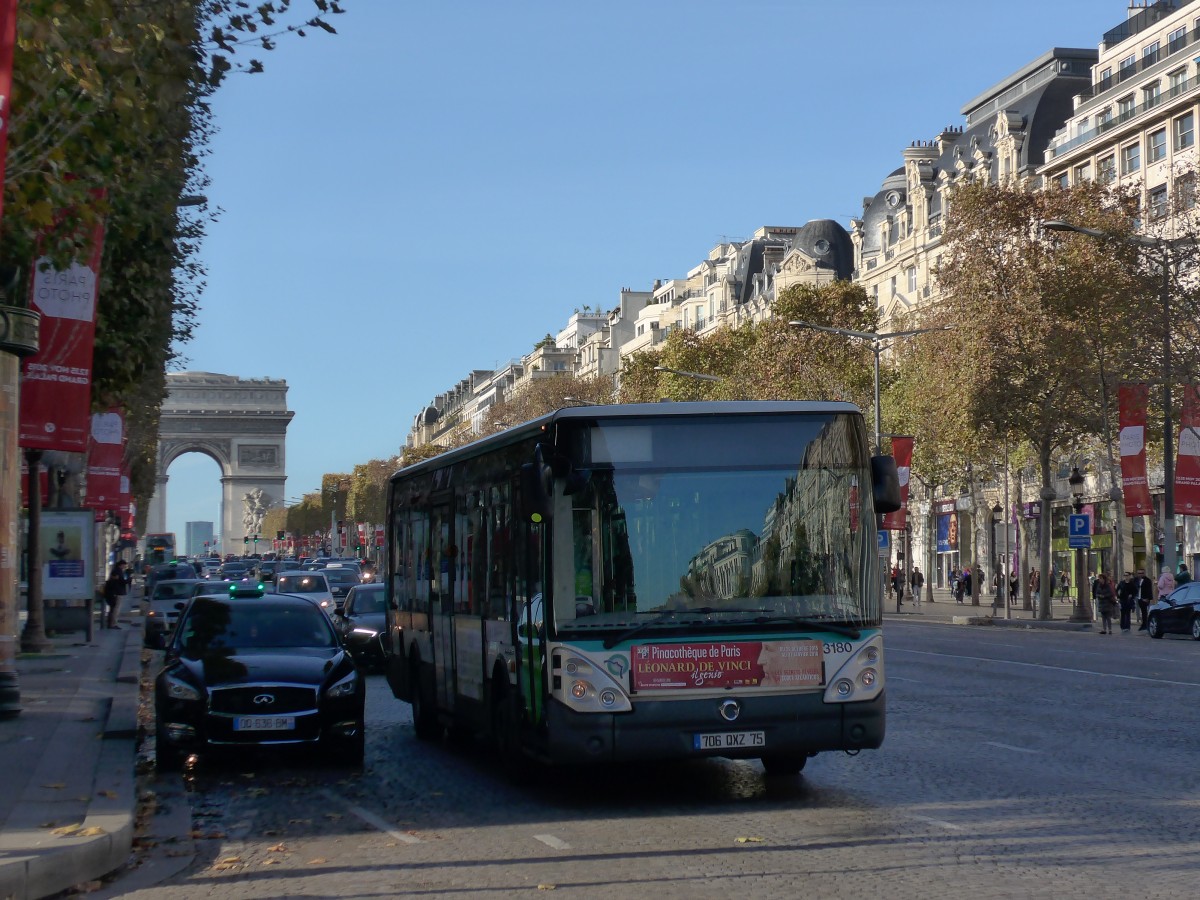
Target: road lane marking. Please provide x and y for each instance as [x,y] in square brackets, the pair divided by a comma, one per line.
[1029,665]
[551,841]
[939,822]
[371,819]
[1011,747]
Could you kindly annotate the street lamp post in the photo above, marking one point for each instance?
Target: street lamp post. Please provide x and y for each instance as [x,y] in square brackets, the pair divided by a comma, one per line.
[998,593]
[1164,248]
[1083,611]
[877,346]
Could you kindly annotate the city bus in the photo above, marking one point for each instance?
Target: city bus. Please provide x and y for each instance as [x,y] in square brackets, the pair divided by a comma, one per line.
[158,549]
[645,581]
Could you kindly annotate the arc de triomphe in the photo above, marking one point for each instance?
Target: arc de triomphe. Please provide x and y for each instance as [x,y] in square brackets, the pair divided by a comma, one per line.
[242,425]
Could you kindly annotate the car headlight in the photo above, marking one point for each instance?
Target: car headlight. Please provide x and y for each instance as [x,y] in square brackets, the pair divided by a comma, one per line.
[343,688]
[177,689]
[365,632]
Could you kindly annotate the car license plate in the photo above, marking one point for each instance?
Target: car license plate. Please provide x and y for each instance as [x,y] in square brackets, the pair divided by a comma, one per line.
[729,740]
[264,723]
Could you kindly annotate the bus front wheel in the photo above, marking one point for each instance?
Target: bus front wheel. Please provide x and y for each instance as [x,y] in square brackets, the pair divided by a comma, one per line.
[425,721]
[790,764]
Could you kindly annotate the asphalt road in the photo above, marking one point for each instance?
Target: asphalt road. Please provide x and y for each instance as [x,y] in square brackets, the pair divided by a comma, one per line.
[1017,764]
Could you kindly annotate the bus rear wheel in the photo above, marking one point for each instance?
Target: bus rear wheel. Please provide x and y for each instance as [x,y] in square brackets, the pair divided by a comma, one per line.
[784,765]
[425,722]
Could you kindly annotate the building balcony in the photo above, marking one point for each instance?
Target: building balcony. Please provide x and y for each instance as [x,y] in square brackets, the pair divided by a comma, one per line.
[1102,128]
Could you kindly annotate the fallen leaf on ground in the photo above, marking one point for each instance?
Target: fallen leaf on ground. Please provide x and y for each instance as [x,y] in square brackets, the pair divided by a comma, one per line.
[299,821]
[66,829]
[92,831]
[547,887]
[278,848]
[317,861]
[272,862]
[749,840]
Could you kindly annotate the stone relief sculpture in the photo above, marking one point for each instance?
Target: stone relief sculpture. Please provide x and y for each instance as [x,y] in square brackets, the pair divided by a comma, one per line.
[256,503]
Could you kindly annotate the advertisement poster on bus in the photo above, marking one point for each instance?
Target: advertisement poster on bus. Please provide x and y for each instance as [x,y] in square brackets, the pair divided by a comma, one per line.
[727,664]
[66,554]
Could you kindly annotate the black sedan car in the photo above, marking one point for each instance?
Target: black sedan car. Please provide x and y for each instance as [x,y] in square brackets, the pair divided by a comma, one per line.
[341,579]
[361,621]
[269,670]
[1177,613]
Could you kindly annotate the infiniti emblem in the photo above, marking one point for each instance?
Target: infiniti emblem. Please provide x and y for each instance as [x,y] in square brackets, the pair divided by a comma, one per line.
[729,710]
[267,699]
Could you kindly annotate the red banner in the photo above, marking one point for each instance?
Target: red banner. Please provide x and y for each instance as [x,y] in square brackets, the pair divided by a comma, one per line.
[781,664]
[8,40]
[1187,462]
[902,448]
[106,452]
[1131,402]
[56,382]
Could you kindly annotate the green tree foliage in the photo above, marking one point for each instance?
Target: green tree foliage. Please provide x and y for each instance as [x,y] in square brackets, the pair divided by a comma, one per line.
[113,96]
[368,490]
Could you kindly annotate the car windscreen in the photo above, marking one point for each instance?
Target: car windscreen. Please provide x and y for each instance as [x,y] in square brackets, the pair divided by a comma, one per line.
[342,576]
[173,590]
[369,601]
[307,584]
[220,624]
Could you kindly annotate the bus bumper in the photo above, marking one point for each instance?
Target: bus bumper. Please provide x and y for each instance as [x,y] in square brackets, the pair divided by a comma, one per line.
[667,729]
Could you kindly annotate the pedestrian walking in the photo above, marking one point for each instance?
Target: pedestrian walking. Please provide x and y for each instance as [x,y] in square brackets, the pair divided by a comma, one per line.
[1166,583]
[116,586]
[1105,599]
[1014,585]
[898,585]
[916,581]
[1127,598]
[1183,576]
[1065,581]
[959,586]
[966,585]
[1145,596]
[1035,585]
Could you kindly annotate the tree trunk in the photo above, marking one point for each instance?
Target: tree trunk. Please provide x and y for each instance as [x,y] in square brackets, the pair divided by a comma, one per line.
[1047,494]
[33,637]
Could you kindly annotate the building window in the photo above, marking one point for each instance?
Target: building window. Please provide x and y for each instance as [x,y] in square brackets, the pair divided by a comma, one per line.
[1177,81]
[1150,54]
[1127,67]
[1083,172]
[1185,131]
[875,293]
[1063,180]
[912,279]
[1125,107]
[1131,158]
[1150,95]
[1104,119]
[1157,207]
[1176,39]
[893,285]
[1185,191]
[1156,145]
[1106,170]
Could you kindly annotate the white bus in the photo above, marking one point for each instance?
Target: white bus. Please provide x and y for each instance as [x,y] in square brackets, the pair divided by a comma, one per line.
[646,581]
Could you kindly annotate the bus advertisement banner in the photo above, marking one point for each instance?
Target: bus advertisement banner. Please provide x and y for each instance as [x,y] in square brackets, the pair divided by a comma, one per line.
[713,664]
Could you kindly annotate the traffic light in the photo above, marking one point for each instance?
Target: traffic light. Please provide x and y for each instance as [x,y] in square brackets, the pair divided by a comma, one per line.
[246,539]
[280,535]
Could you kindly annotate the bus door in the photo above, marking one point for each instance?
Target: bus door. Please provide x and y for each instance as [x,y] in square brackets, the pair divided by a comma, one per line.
[441,597]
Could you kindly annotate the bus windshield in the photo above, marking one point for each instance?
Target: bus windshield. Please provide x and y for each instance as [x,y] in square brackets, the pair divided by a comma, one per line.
[698,525]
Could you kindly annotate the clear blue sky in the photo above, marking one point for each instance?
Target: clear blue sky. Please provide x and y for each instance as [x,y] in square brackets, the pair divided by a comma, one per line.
[439,185]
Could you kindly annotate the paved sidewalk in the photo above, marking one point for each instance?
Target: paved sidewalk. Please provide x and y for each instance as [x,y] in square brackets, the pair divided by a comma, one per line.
[67,786]
[946,611]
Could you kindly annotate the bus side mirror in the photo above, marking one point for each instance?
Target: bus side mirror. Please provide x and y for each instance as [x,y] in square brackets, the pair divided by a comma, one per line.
[885,484]
[537,486]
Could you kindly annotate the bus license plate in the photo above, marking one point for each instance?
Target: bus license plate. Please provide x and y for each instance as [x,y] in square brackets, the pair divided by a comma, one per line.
[264,723]
[729,740]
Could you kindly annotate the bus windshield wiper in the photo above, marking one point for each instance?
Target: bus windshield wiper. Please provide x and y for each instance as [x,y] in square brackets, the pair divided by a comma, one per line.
[611,642]
[815,624]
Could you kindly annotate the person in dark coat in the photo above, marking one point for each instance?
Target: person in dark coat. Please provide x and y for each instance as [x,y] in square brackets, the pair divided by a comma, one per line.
[1106,601]
[116,586]
[1145,596]
[1127,598]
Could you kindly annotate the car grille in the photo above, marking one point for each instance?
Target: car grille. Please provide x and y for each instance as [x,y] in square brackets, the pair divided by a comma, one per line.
[289,699]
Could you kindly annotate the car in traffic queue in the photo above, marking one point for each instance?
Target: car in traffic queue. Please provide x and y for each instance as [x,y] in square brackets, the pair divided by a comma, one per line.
[362,623]
[1177,613]
[161,607]
[307,584]
[257,670]
[341,579]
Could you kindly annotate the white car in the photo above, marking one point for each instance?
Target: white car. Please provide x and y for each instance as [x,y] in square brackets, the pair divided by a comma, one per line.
[312,585]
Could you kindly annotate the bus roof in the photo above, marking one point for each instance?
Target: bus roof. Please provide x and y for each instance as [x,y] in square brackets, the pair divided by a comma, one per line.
[663,409]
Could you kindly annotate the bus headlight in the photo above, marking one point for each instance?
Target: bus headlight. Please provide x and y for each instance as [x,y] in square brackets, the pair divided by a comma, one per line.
[860,677]
[588,688]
